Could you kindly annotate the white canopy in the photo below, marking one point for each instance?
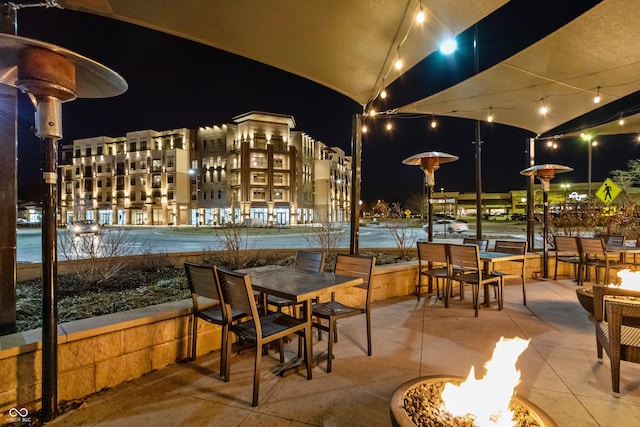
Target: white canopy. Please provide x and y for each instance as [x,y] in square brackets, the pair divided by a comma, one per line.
[346,45]
[597,53]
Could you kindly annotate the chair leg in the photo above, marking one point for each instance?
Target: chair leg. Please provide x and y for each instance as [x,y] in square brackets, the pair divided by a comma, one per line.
[281,349]
[194,338]
[308,353]
[476,297]
[369,349]
[524,292]
[227,363]
[256,375]
[223,350]
[332,325]
[615,376]
[419,285]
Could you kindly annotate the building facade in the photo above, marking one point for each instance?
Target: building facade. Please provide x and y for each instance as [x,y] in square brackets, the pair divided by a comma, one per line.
[257,170]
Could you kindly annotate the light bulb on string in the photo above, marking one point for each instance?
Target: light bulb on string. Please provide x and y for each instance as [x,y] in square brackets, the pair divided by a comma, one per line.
[389,126]
[543,108]
[490,117]
[596,99]
[621,121]
[434,123]
[364,129]
[420,16]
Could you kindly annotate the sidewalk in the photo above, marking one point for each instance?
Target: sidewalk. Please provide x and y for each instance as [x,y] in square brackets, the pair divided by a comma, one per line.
[560,372]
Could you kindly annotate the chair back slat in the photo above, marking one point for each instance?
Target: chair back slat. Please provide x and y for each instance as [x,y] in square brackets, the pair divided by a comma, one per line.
[310,260]
[202,282]
[511,247]
[482,244]
[466,257]
[432,252]
[566,244]
[356,266]
[237,291]
[592,247]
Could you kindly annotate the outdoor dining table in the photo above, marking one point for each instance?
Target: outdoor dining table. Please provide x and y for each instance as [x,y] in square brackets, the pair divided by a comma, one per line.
[488,258]
[623,251]
[296,285]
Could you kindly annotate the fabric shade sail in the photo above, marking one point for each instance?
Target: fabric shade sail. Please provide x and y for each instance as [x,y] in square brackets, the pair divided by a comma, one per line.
[595,54]
[346,45]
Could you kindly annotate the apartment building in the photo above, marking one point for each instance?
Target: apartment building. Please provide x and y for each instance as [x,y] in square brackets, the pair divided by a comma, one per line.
[257,170]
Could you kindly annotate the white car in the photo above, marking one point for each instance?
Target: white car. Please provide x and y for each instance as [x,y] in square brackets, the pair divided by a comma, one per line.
[448,225]
[84,227]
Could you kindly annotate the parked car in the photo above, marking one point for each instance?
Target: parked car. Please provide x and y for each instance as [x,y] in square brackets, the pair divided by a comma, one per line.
[443,216]
[498,217]
[519,217]
[87,226]
[448,225]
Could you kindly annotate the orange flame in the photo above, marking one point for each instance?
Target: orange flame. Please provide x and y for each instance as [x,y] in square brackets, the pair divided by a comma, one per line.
[487,400]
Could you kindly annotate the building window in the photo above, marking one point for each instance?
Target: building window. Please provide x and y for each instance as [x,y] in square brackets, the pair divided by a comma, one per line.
[99,168]
[88,185]
[120,168]
[277,195]
[99,197]
[132,166]
[99,183]
[170,195]
[143,196]
[132,146]
[132,180]
[108,182]
[143,164]
[143,180]
[156,181]
[120,183]
[278,162]
[87,171]
[156,165]
[170,162]
[278,178]
[170,179]
[68,187]
[132,196]
[87,152]
[143,145]
[99,151]
[219,194]
[259,177]
[77,155]
[77,171]
[259,195]
[156,194]
[108,167]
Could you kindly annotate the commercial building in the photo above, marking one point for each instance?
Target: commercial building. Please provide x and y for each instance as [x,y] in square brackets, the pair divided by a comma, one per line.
[257,170]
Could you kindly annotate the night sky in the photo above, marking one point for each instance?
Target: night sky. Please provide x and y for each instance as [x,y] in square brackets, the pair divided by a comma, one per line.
[177,83]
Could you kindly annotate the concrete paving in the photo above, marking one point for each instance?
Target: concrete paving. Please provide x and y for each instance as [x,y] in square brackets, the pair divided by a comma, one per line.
[560,371]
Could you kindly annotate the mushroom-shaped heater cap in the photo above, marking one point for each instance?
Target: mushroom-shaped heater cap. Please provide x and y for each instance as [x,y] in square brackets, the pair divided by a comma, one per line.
[545,172]
[429,161]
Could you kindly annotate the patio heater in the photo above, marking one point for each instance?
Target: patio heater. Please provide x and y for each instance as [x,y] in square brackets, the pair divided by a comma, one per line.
[545,174]
[51,75]
[430,161]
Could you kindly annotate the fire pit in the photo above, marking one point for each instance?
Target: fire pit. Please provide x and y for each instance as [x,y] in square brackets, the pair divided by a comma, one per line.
[628,280]
[420,399]
[452,401]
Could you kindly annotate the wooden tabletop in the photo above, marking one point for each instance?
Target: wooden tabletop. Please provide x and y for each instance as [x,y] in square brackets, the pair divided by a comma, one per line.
[296,285]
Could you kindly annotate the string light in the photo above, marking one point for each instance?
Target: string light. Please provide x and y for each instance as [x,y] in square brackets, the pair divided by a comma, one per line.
[389,127]
[621,121]
[543,109]
[364,129]
[383,94]
[420,16]
[490,118]
[434,123]
[596,99]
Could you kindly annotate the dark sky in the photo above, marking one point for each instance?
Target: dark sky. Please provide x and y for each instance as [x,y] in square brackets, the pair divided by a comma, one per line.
[176,83]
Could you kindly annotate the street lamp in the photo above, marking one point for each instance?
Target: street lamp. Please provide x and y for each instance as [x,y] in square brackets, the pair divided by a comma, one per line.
[430,161]
[197,176]
[545,174]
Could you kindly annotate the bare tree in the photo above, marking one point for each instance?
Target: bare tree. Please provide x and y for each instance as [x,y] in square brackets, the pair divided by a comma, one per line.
[398,227]
[99,256]
[326,237]
[237,244]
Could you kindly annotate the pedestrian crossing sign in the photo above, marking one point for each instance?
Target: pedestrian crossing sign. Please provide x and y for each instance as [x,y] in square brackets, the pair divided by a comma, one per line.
[608,191]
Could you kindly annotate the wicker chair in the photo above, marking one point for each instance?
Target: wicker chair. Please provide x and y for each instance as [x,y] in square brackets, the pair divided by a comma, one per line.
[432,264]
[207,301]
[566,250]
[332,311]
[617,322]
[259,330]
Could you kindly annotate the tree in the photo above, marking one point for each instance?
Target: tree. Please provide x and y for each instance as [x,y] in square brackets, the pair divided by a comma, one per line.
[629,177]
